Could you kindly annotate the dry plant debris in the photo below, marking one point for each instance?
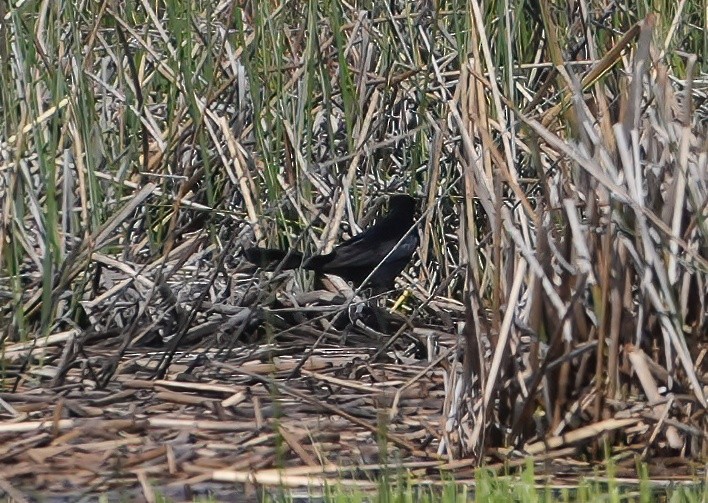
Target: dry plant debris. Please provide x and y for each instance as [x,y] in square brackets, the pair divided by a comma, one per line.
[556,307]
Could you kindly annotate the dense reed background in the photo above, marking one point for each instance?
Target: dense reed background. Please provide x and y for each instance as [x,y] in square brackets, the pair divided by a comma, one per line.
[558,152]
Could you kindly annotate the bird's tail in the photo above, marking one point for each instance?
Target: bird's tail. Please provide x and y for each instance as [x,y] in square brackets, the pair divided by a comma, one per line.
[269,258]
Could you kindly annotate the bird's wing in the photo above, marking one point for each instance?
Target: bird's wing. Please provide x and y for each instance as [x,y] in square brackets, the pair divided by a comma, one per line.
[369,252]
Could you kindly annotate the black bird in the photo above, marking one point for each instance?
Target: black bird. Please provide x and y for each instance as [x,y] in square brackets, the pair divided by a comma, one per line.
[354,259]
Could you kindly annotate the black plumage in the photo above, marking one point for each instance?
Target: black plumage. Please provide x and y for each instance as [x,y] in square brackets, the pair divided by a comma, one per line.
[354,259]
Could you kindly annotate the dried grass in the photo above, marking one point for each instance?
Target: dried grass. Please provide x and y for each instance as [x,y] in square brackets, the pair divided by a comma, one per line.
[563,230]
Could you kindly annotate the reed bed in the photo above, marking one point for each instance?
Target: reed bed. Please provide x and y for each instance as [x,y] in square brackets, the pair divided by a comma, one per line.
[556,306]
